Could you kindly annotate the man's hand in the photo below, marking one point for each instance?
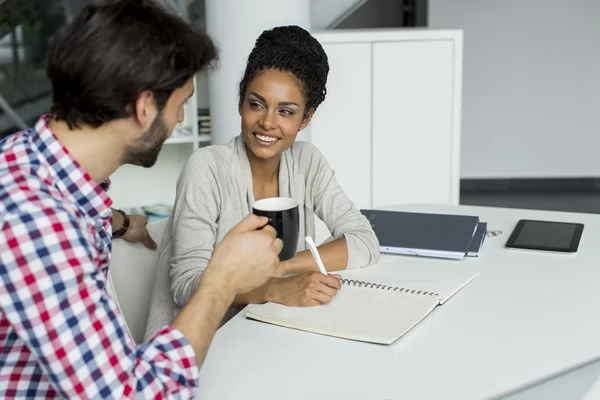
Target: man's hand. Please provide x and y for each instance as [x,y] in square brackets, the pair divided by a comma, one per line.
[137,231]
[246,258]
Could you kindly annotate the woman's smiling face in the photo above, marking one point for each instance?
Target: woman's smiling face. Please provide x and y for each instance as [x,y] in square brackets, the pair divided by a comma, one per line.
[272,111]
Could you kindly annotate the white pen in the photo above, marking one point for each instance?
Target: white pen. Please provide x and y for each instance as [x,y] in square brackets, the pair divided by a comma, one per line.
[315,253]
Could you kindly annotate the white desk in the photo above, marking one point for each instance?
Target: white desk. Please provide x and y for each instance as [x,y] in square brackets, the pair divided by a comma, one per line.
[579,384]
[526,317]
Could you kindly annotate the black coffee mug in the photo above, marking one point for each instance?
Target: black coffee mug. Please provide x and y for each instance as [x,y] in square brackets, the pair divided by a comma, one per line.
[283,216]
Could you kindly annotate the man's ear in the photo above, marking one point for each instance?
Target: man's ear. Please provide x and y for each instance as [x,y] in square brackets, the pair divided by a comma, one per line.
[145,109]
[306,119]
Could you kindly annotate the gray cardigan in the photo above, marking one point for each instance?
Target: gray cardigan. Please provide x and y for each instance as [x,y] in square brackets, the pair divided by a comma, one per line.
[214,193]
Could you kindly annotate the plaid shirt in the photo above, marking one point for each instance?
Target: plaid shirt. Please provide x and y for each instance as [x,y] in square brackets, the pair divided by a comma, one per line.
[61,334]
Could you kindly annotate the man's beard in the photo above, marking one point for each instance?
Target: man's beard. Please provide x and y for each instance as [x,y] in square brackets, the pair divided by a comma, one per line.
[145,150]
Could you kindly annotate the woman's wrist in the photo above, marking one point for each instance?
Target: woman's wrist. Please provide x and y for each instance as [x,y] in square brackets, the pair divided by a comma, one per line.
[260,295]
[287,267]
[270,292]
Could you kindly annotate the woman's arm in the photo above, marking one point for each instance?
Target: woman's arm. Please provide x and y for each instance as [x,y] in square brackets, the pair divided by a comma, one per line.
[355,244]
[333,254]
[195,213]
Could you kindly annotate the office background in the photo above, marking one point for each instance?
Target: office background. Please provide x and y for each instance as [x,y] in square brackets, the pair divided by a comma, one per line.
[530,94]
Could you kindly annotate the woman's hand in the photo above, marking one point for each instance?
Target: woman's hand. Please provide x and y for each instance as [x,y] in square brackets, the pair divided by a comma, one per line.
[303,290]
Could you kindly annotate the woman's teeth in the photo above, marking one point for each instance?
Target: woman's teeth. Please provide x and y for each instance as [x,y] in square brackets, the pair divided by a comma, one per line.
[265,138]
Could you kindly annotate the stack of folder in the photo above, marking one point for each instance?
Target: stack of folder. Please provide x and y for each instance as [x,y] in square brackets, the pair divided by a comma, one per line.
[428,235]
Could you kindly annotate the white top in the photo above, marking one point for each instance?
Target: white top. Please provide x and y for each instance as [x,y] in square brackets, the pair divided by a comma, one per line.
[215,192]
[527,316]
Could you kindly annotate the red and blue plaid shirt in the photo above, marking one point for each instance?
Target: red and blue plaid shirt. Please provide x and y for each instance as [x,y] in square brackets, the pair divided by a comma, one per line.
[61,334]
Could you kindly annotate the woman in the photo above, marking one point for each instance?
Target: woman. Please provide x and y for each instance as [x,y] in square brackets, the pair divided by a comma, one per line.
[282,87]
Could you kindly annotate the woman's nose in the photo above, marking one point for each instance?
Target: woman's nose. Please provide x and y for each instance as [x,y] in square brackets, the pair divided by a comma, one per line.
[267,121]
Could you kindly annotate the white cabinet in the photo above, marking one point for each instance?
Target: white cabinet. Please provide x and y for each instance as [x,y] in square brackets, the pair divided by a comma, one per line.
[390,125]
[341,126]
[415,150]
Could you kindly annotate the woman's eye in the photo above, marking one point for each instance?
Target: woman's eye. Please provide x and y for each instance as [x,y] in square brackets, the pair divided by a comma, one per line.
[287,112]
[255,104]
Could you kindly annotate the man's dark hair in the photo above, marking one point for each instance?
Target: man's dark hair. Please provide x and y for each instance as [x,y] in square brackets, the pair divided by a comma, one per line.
[113,52]
[290,49]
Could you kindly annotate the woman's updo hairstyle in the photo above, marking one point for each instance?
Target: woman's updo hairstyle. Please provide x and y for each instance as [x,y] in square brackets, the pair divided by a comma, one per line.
[290,49]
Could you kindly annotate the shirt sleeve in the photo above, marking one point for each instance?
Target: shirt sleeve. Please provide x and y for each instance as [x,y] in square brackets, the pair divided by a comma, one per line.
[53,294]
[332,206]
[195,215]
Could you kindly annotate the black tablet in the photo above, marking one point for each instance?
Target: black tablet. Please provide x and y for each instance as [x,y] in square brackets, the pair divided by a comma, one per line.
[546,235]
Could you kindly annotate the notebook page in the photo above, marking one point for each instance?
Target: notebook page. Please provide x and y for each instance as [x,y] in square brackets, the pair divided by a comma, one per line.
[443,280]
[356,313]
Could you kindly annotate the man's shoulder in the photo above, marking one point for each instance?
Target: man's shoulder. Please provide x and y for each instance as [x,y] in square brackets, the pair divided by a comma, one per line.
[16,151]
[32,200]
[25,183]
[32,229]
[15,144]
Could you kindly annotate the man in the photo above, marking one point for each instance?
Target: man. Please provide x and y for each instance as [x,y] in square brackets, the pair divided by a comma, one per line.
[120,75]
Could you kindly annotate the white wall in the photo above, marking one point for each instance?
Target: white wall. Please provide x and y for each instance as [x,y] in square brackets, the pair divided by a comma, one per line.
[531,94]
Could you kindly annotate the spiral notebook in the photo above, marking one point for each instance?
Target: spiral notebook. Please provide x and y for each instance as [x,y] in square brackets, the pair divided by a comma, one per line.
[376,304]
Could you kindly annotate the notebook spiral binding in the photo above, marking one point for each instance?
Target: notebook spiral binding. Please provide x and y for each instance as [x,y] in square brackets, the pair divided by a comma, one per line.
[372,285]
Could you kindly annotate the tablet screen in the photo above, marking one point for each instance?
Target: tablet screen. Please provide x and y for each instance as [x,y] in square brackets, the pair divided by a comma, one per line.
[546,235]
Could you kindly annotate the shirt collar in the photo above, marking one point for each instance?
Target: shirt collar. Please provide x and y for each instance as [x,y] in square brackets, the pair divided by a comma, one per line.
[68,174]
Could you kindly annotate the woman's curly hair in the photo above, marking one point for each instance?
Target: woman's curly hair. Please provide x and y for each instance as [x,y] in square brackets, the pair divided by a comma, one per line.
[290,49]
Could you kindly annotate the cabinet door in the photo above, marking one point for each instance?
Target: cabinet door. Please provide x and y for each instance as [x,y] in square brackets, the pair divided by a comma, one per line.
[415,147]
[341,127]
